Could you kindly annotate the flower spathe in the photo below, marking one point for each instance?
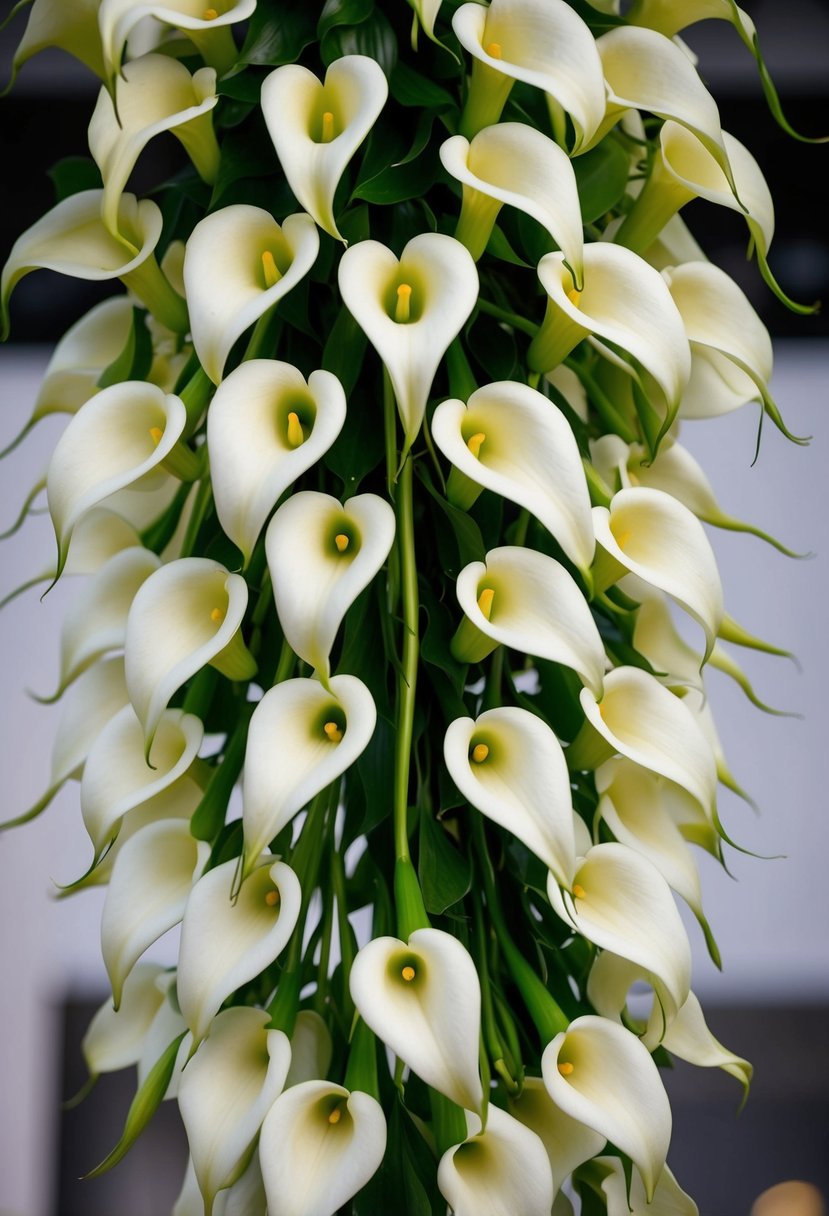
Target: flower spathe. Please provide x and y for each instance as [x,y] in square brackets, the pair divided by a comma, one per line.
[316,127]
[498,1171]
[114,1038]
[606,1175]
[567,1142]
[71,27]
[208,28]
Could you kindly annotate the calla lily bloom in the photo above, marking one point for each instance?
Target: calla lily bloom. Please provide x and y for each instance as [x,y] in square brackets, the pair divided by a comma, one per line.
[147,893]
[618,900]
[167,1025]
[513,440]
[301,738]
[526,600]
[321,555]
[626,1197]
[542,43]
[239,262]
[514,163]
[567,1142]
[208,28]
[411,310]
[311,1048]
[246,1197]
[226,1090]
[602,1075]
[117,777]
[266,426]
[496,1172]
[152,94]
[651,534]
[72,239]
[114,1038]
[423,999]
[655,636]
[69,27]
[225,943]
[509,764]
[317,127]
[320,1144]
[185,616]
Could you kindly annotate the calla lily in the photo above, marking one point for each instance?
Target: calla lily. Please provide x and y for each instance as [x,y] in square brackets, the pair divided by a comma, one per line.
[70,27]
[514,163]
[113,440]
[497,1172]
[542,43]
[654,336]
[606,1175]
[311,1048]
[114,1038]
[72,239]
[511,439]
[567,1142]
[225,943]
[411,310]
[602,1075]
[319,1145]
[152,94]
[185,616]
[317,127]
[302,737]
[117,777]
[208,28]
[618,900]
[266,426]
[423,999]
[321,555]
[167,1025]
[509,764]
[147,893]
[239,262]
[656,637]
[226,1090]
[526,600]
[246,1197]
[654,536]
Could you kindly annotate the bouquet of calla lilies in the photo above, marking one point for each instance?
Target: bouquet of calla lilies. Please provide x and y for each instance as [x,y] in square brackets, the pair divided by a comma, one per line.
[373,682]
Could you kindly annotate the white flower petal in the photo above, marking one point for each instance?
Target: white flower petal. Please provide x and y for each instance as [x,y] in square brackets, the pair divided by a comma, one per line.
[656,637]
[118,18]
[71,27]
[497,1172]
[689,1038]
[567,1142]
[669,1199]
[96,697]
[113,1039]
[84,351]
[167,1025]
[311,1048]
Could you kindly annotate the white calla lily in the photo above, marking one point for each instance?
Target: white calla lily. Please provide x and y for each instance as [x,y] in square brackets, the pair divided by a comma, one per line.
[316,127]
[319,1145]
[509,764]
[497,1172]
[411,310]
[515,164]
[238,263]
[513,440]
[321,555]
[266,426]
[226,1090]
[567,1142]
[655,636]
[72,239]
[301,738]
[542,43]
[423,999]
[70,27]
[147,893]
[208,28]
[185,616]
[246,1197]
[225,943]
[524,599]
[311,1048]
[167,1025]
[152,94]
[602,1075]
[114,1038]
[626,1197]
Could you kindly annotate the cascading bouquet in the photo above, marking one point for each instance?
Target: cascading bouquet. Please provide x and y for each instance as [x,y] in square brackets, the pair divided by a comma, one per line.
[374,475]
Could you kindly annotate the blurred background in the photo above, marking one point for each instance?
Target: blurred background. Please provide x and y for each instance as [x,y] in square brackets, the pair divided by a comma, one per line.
[771,917]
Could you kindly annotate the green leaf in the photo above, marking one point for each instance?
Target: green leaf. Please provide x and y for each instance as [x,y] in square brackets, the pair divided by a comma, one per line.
[279,34]
[343,12]
[343,355]
[373,37]
[406,1181]
[376,771]
[601,176]
[467,534]
[409,88]
[494,348]
[499,247]
[135,359]
[445,874]
[74,174]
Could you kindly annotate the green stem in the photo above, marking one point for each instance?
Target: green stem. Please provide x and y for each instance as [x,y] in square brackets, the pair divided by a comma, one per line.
[361,1073]
[509,318]
[604,407]
[407,684]
[201,506]
[344,928]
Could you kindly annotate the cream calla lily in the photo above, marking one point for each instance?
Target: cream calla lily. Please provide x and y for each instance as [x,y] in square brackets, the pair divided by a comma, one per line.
[497,1172]
[534,606]
[302,737]
[239,262]
[515,164]
[509,764]
[602,1075]
[167,1025]
[69,27]
[266,426]
[319,1145]
[187,614]
[226,1090]
[246,1197]
[147,892]
[542,43]
[627,1197]
[321,555]
[225,943]
[513,440]
[410,309]
[655,636]
[311,1048]
[152,94]
[208,28]
[567,1142]
[316,127]
[423,999]
[114,1038]
[117,777]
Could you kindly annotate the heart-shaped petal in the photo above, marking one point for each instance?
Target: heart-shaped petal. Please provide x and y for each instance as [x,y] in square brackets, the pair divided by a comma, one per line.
[114,1038]
[208,28]
[503,1169]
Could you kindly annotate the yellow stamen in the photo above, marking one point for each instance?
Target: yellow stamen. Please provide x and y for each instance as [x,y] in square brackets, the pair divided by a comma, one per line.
[296,435]
[408,974]
[578,891]
[217,616]
[485,602]
[404,300]
[341,541]
[335,1115]
[327,127]
[475,443]
[332,732]
[494,50]
[272,898]
[156,434]
[565,1069]
[480,752]
[270,269]
[574,297]
[210,14]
